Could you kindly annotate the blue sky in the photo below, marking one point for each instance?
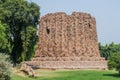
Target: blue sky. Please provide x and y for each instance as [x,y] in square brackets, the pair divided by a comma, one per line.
[106,12]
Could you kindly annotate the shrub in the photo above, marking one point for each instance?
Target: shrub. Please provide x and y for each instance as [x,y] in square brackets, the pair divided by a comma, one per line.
[114,61]
[5,66]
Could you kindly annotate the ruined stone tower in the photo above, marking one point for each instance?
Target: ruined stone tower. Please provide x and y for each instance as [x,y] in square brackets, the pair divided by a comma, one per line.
[68,41]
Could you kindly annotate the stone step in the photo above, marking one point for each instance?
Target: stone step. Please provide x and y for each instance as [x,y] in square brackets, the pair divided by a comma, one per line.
[68,64]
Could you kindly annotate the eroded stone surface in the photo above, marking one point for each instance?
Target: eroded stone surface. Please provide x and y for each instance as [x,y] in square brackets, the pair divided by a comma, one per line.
[27,69]
[67,39]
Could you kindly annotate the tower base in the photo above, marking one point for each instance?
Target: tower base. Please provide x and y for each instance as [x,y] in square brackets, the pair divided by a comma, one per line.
[98,63]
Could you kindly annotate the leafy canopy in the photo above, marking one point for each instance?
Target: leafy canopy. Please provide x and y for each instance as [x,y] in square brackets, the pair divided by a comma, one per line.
[19,15]
[114,61]
[3,40]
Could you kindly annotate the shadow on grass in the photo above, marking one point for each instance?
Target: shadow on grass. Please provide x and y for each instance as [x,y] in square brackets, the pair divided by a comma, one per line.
[112,75]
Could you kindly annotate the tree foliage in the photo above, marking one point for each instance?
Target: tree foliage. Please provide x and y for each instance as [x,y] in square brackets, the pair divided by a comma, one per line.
[108,49]
[3,40]
[4,45]
[114,61]
[111,52]
[29,40]
[19,15]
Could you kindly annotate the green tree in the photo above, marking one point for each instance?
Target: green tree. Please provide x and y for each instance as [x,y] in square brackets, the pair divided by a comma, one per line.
[29,41]
[3,40]
[19,15]
[108,49]
[104,52]
[114,61]
[4,45]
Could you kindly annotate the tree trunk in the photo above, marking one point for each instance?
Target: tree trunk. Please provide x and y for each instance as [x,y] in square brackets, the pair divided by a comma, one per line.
[17,48]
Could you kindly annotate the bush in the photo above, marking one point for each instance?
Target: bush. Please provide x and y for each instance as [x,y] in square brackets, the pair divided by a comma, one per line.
[5,66]
[114,61]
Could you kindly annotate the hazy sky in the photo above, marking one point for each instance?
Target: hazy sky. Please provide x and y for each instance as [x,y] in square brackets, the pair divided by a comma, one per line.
[106,12]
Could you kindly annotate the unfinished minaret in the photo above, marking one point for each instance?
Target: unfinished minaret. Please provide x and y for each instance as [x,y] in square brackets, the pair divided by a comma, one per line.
[68,41]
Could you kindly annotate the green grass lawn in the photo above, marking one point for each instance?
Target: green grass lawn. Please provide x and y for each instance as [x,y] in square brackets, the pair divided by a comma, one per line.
[71,75]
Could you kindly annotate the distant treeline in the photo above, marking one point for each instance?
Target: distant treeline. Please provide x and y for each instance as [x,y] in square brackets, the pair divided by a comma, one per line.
[108,49]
